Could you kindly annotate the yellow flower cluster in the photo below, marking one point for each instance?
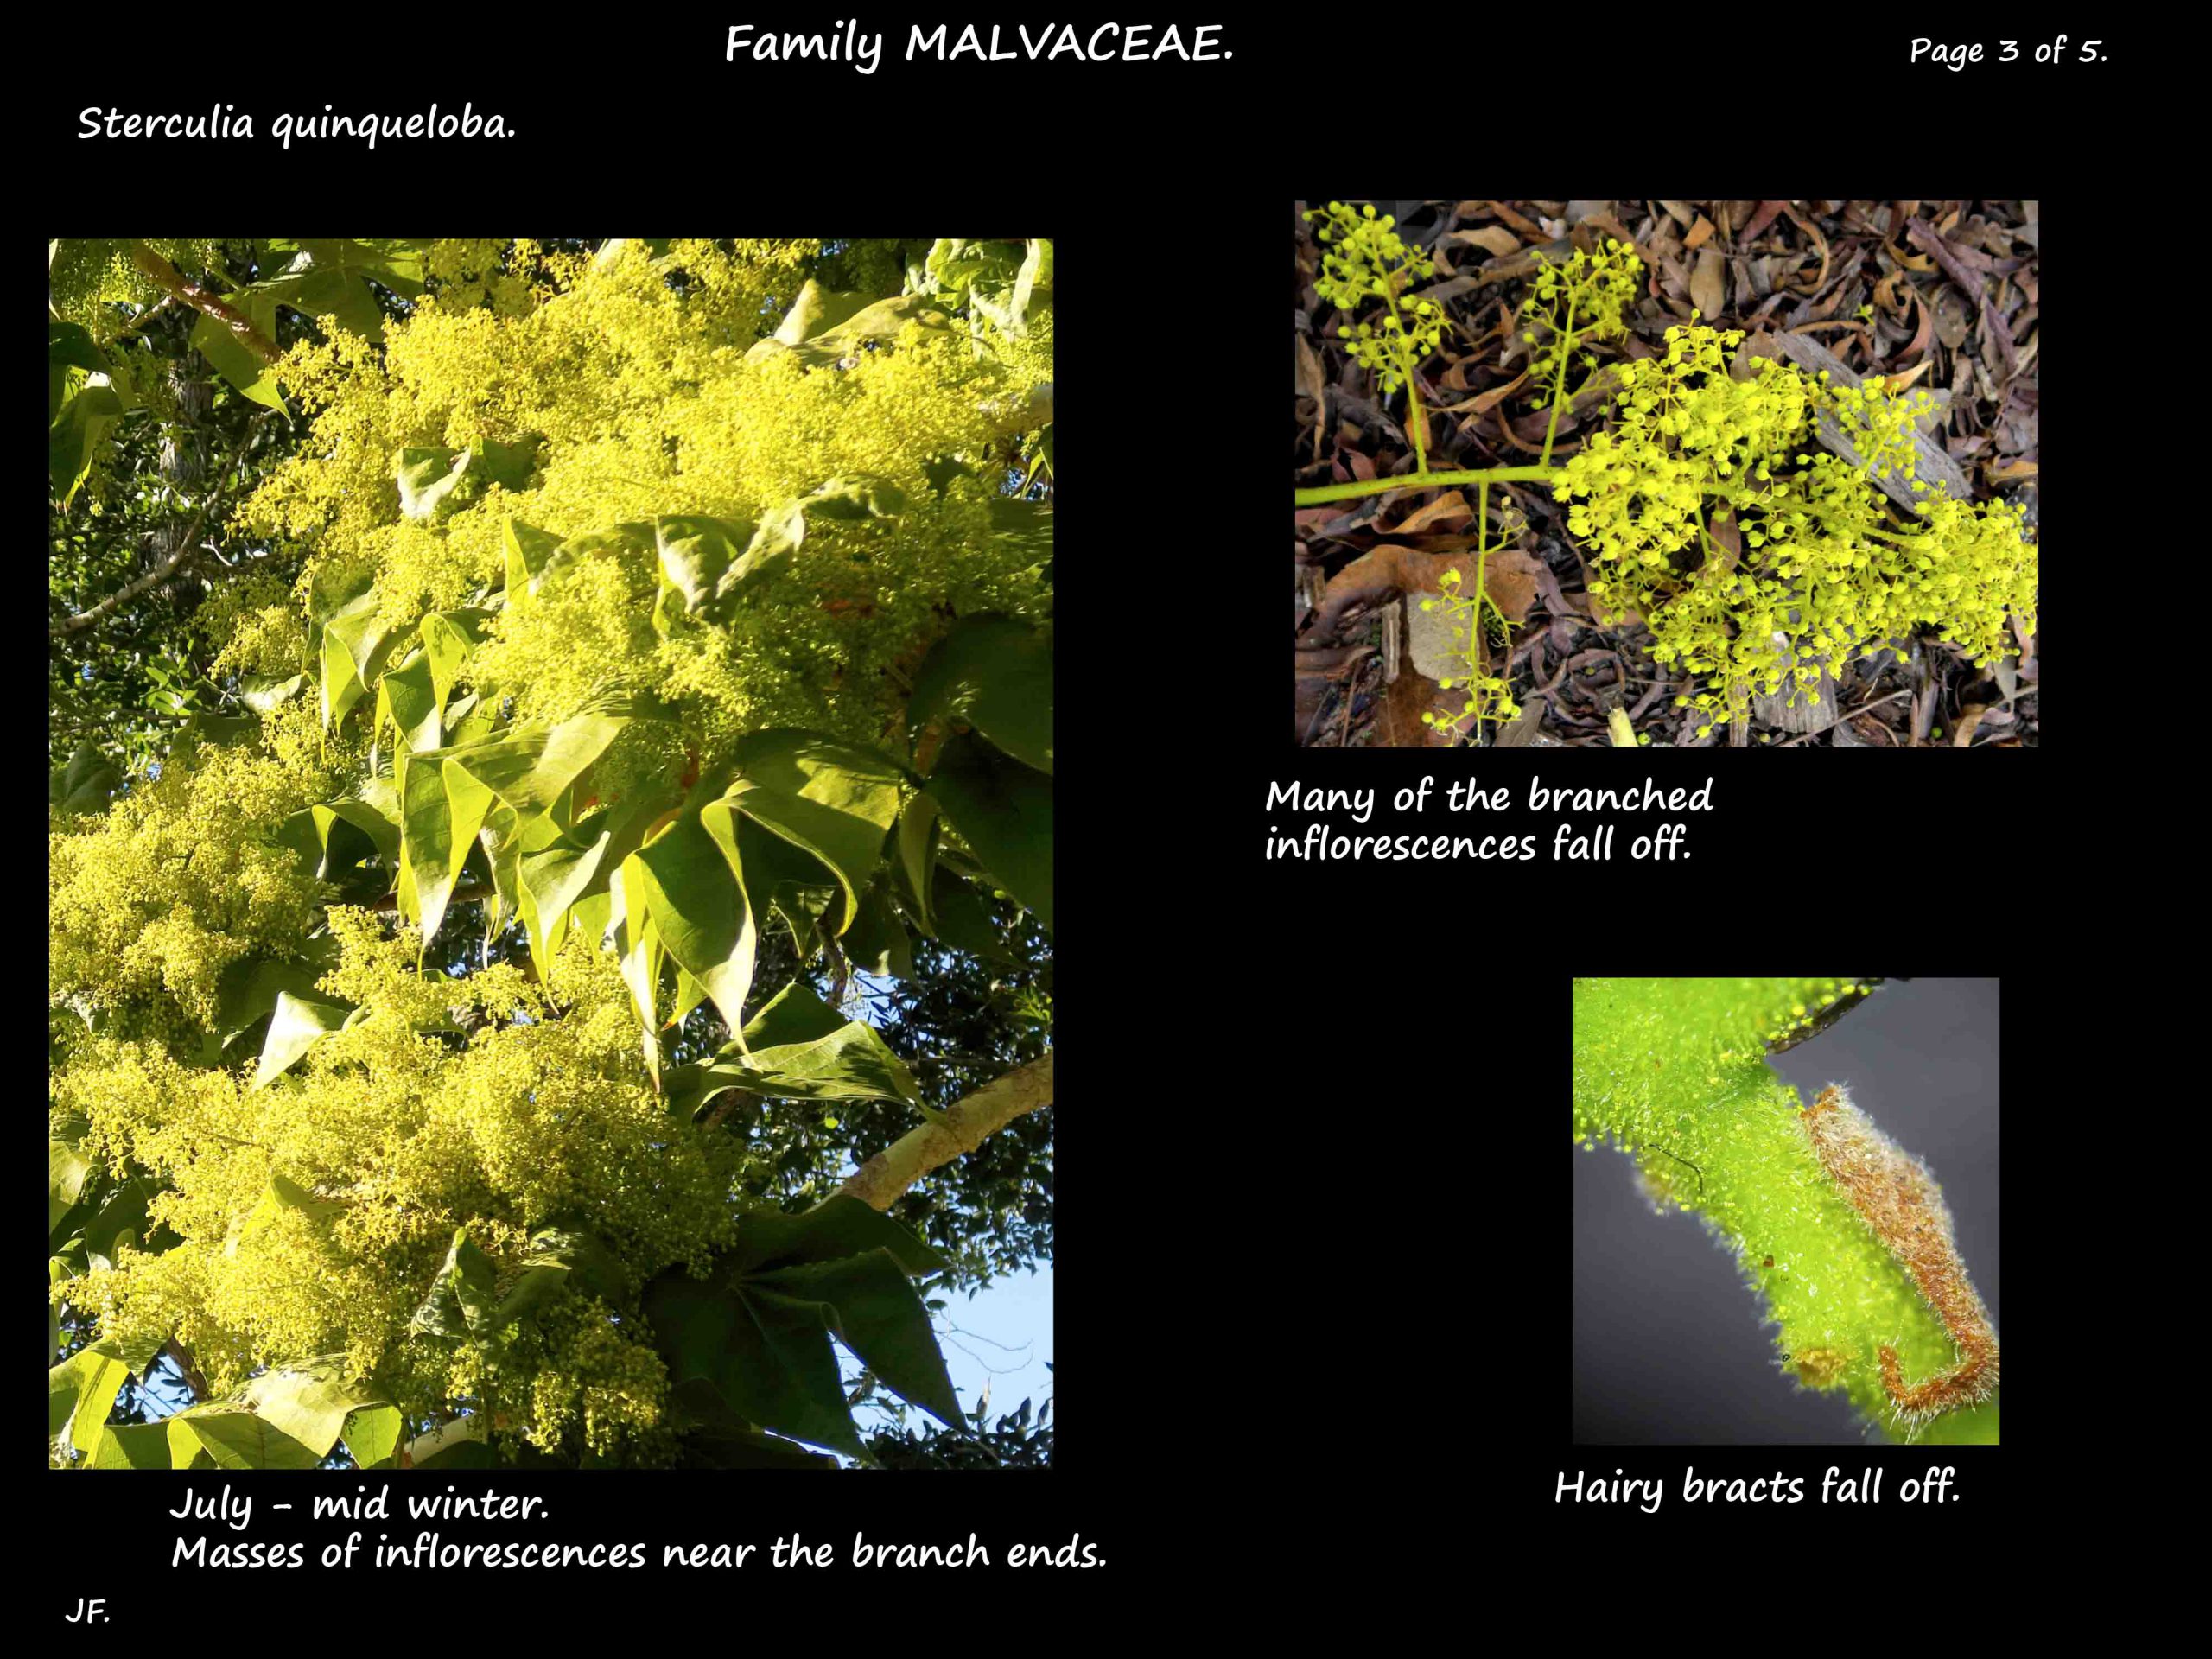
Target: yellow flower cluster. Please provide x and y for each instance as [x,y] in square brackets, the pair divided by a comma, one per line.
[403,1130]
[149,903]
[647,401]
[1820,573]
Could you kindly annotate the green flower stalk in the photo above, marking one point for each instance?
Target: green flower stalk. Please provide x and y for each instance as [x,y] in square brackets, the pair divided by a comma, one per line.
[1371,262]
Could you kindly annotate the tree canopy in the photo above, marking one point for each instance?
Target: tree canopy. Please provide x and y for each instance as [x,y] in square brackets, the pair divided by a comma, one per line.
[551,755]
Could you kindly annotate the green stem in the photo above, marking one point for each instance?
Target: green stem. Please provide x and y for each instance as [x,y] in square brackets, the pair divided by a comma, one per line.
[1326,493]
[1401,348]
[1480,657]
[1559,384]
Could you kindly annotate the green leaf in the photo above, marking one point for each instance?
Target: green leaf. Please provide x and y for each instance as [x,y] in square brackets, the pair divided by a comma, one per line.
[133,1446]
[708,559]
[841,1225]
[76,434]
[66,1170]
[956,265]
[235,1439]
[444,802]
[461,1454]
[351,639]
[995,674]
[426,476]
[263,692]
[372,1435]
[779,534]
[917,844]
[310,1401]
[558,1256]
[316,832]
[84,784]
[430,478]
[768,1355]
[837,337]
[877,942]
[816,310]
[802,1049]
[962,919]
[1004,810]
[696,553]
[80,1390]
[124,1211]
[637,951]
[714,1437]
[871,1306]
[856,496]
[1024,526]
[296,1026]
[231,359]
[530,768]
[329,276]
[283,1195]
[407,699]
[690,884]
[450,638]
[757,1331]
[530,555]
[552,879]
[834,799]
[68,346]
[688,1090]
[460,1301]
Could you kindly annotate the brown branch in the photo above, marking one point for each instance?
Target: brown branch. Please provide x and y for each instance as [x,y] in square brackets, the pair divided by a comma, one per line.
[182,1360]
[458,896]
[174,283]
[188,546]
[958,1131]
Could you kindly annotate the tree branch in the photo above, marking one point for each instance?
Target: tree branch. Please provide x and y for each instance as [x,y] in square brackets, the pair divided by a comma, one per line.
[189,544]
[182,1360]
[430,1442]
[173,283]
[959,1130]
[458,896]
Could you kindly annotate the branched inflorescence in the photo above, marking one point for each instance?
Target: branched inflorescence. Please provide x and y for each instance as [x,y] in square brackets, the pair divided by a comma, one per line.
[1757,557]
[1371,261]
[1818,572]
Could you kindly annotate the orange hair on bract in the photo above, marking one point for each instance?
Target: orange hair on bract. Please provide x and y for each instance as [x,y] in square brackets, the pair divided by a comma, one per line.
[1897,1198]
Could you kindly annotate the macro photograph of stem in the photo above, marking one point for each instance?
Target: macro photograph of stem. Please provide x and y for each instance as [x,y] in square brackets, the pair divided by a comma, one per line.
[1860,1210]
[1666,474]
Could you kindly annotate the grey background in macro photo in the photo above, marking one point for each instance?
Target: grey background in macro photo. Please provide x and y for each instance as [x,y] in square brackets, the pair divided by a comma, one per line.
[1668,1346]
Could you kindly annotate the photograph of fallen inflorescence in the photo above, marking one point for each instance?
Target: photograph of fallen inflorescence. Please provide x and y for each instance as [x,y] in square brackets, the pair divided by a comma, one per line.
[1666,474]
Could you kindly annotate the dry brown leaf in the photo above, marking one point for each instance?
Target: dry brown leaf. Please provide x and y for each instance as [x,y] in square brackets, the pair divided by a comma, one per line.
[1709,283]
[1370,578]
[1493,239]
[1700,234]
[1488,400]
[1450,508]
[1511,578]
[1902,380]
[1767,214]
[1405,700]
